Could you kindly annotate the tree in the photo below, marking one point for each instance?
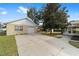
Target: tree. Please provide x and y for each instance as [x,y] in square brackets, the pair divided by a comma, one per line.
[49,15]
[62,18]
[32,13]
[54,16]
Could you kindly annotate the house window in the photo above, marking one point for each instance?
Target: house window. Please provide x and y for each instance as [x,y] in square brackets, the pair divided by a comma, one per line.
[18,28]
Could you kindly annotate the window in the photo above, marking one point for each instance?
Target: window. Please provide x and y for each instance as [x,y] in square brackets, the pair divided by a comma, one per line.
[18,28]
[69,31]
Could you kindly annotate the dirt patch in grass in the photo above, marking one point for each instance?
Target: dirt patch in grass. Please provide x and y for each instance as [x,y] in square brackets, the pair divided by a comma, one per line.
[74,43]
[8,46]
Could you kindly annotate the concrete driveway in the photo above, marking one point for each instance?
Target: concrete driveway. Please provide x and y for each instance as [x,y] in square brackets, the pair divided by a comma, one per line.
[41,45]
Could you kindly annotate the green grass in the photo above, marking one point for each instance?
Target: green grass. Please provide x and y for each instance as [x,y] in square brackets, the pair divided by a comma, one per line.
[8,46]
[74,43]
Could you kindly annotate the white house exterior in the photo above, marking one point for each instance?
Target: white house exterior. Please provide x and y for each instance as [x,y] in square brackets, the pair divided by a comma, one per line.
[21,26]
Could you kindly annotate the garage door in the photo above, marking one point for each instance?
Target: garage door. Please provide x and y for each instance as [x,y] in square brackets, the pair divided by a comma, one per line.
[31,30]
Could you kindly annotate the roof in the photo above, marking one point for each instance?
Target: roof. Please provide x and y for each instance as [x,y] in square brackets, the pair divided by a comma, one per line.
[74,21]
[19,20]
[30,20]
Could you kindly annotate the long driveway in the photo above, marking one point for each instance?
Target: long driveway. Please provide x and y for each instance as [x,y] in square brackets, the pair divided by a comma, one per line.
[41,45]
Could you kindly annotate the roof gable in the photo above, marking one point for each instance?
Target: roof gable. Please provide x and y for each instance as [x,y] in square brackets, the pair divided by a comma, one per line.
[24,21]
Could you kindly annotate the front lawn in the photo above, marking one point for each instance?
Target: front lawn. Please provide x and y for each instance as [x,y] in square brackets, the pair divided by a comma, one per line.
[74,43]
[8,46]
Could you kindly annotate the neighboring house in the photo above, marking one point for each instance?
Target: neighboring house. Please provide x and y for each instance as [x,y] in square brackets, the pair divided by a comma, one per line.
[40,24]
[73,28]
[21,26]
[2,27]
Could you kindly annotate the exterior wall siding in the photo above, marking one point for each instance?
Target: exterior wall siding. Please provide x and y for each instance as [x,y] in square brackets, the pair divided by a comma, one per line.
[11,29]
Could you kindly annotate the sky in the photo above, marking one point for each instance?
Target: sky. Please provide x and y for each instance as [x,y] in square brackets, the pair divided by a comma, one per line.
[14,11]
[73,10]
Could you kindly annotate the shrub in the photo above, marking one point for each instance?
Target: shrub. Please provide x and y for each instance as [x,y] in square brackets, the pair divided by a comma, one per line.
[2,33]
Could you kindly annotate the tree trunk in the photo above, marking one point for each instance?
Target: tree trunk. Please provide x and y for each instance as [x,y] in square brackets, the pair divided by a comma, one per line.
[50,31]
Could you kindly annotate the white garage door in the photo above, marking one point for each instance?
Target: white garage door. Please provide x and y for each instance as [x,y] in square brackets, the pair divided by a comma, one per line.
[31,30]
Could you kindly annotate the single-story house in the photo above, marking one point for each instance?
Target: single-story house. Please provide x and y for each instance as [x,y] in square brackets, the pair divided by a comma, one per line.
[73,28]
[21,26]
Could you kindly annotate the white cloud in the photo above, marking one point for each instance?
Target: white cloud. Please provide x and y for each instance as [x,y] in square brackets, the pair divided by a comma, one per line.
[22,9]
[4,13]
[2,8]
[19,11]
[73,16]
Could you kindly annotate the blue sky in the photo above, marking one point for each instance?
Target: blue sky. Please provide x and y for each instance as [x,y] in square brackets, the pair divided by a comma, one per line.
[10,12]
[73,10]
[13,11]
